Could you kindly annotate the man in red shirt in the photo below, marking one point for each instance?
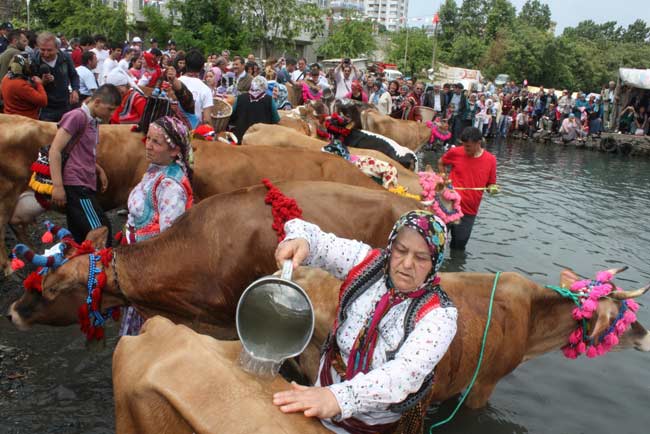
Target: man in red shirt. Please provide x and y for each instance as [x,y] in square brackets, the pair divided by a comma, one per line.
[471,167]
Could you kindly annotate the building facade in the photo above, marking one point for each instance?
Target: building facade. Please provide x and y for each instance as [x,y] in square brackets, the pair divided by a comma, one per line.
[390,13]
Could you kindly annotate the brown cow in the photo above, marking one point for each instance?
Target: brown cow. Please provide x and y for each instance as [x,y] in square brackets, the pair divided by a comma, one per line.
[119,153]
[218,168]
[529,320]
[410,134]
[196,270]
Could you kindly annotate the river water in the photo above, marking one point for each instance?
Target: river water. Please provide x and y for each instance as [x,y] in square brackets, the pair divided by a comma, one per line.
[560,207]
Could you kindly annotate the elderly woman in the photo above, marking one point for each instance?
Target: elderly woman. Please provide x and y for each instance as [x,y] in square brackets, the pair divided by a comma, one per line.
[394,323]
[381,98]
[163,194]
[281,97]
[252,107]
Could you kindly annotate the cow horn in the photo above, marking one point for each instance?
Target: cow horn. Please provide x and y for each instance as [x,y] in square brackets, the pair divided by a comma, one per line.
[626,295]
[615,271]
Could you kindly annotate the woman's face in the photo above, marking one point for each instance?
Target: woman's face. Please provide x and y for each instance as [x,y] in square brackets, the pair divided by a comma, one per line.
[276,92]
[137,64]
[410,260]
[156,148]
[164,61]
[209,78]
[181,64]
[393,87]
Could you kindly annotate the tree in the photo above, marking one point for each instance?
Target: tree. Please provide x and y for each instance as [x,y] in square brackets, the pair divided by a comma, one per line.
[472,18]
[418,54]
[349,38]
[210,26]
[158,26]
[278,23]
[501,15]
[637,32]
[82,17]
[536,14]
[588,29]
[466,52]
[448,26]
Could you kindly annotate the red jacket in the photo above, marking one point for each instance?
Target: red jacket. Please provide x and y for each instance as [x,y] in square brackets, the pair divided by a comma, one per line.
[21,97]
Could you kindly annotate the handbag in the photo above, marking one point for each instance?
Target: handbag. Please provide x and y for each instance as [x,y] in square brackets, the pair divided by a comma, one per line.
[41,179]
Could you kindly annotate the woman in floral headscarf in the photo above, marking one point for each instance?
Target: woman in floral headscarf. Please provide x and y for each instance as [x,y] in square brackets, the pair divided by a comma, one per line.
[357,93]
[163,194]
[394,323]
[254,107]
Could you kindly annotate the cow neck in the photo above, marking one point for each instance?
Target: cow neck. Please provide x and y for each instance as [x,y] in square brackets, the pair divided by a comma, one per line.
[550,323]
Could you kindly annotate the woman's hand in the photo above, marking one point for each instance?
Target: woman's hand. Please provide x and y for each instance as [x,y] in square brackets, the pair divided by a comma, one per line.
[297,250]
[317,402]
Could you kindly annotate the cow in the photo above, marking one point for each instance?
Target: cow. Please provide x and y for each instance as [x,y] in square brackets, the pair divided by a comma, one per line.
[363,139]
[446,206]
[119,153]
[196,270]
[218,168]
[409,134]
[173,369]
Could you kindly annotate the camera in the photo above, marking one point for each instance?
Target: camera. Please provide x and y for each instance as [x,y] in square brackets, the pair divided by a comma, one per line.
[347,61]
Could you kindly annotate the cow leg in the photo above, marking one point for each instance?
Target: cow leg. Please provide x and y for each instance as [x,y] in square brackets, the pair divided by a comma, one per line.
[8,199]
[479,395]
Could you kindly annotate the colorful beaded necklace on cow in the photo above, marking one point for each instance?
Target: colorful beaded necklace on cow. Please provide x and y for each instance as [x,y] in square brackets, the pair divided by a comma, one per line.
[586,294]
[91,318]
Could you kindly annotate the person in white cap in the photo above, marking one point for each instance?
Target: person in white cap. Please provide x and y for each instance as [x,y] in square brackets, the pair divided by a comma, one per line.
[136,43]
[133,100]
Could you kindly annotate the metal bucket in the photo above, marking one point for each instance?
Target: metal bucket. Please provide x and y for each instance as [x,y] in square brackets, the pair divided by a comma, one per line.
[275,321]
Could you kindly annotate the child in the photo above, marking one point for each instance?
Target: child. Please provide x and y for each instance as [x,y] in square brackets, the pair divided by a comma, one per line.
[74,179]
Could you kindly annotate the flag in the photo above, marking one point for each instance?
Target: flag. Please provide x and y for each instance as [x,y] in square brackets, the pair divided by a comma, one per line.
[436,18]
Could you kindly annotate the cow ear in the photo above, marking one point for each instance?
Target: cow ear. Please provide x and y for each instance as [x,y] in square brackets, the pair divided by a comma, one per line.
[98,237]
[568,278]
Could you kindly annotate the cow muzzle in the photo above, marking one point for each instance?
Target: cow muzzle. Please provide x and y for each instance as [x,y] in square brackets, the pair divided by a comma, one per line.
[15,318]
[643,344]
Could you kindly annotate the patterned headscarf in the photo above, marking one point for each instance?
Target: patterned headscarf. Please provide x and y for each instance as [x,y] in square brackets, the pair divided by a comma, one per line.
[258,88]
[177,134]
[434,232]
[283,95]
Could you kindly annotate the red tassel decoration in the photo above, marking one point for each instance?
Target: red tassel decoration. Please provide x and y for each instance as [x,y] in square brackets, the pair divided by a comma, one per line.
[33,282]
[17,264]
[47,237]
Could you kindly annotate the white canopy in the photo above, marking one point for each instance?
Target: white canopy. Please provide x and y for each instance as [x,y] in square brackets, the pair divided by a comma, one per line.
[639,78]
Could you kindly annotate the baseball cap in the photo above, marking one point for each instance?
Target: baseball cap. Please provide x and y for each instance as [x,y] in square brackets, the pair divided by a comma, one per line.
[6,26]
[152,40]
[136,39]
[171,42]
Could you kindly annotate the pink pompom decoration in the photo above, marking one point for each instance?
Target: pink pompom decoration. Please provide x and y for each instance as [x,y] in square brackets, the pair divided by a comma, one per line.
[579,285]
[570,352]
[599,291]
[587,314]
[47,237]
[577,314]
[592,352]
[620,327]
[581,348]
[629,317]
[611,340]
[575,336]
[604,276]
[632,305]
[589,305]
[601,350]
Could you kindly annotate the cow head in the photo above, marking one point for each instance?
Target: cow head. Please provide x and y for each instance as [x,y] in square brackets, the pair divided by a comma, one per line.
[608,315]
[351,109]
[61,292]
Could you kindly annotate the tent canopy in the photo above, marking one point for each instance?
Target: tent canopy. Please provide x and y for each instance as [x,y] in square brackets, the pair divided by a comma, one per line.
[639,78]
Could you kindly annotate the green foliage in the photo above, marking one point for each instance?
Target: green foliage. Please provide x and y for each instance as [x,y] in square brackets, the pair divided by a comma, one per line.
[210,26]
[80,17]
[466,52]
[158,26]
[277,23]
[418,54]
[447,28]
[472,18]
[349,38]
[536,14]
[501,15]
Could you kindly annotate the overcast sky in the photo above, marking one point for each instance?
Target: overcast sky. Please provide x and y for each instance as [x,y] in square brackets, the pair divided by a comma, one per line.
[566,13]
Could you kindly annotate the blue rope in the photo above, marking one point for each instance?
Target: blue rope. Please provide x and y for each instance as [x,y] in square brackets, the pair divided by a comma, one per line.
[480,358]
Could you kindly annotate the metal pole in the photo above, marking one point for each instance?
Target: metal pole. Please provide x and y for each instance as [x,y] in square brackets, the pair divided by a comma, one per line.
[27,14]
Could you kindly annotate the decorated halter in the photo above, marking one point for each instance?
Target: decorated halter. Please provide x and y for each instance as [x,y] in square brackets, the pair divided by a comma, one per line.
[90,317]
[586,294]
[432,197]
[283,208]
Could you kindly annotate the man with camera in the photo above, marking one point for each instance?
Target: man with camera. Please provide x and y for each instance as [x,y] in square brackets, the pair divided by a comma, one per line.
[344,74]
[58,74]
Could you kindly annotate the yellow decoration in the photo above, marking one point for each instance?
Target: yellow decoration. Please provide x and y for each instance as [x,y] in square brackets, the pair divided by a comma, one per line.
[401,190]
[40,187]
